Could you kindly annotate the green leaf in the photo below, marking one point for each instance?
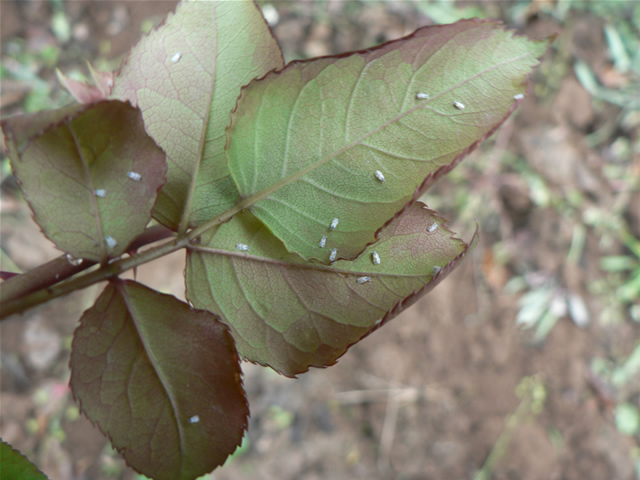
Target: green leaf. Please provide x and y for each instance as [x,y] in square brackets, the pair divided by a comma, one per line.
[290,314]
[305,142]
[186,77]
[162,380]
[629,370]
[90,174]
[627,419]
[15,466]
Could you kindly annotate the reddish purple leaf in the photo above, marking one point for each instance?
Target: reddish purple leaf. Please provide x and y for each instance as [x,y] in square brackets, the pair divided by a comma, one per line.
[89,172]
[291,314]
[161,379]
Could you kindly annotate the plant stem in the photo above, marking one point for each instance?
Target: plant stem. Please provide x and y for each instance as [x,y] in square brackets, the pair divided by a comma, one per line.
[17,297]
[531,402]
[41,277]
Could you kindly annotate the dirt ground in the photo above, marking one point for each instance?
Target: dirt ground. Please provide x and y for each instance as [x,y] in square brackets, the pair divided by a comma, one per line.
[429,395]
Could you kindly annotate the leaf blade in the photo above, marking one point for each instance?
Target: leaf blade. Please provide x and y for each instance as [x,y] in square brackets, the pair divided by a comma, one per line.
[173,75]
[307,143]
[74,165]
[161,380]
[290,314]
[15,466]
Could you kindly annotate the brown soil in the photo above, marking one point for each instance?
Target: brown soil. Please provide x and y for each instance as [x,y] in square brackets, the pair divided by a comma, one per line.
[427,397]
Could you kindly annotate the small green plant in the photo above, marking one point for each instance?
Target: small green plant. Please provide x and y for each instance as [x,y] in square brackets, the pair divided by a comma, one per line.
[292,188]
[620,376]
[532,394]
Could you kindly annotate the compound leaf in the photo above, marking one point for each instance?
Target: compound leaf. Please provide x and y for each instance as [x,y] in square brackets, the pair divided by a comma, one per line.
[291,314]
[186,77]
[161,379]
[312,143]
[90,174]
[15,466]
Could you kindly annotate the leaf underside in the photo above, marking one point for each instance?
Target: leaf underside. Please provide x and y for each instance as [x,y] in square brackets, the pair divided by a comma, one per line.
[308,144]
[186,77]
[290,314]
[162,380]
[75,172]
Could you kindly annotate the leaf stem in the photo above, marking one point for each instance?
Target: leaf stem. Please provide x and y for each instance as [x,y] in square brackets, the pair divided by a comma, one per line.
[223,217]
[52,279]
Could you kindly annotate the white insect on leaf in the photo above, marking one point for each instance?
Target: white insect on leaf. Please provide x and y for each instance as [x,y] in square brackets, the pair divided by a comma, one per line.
[379,175]
[242,247]
[436,270]
[375,258]
[111,242]
[135,176]
[334,223]
[323,242]
[101,192]
[422,96]
[459,106]
[362,280]
[432,228]
[194,419]
[176,58]
[73,261]
[334,252]
[518,96]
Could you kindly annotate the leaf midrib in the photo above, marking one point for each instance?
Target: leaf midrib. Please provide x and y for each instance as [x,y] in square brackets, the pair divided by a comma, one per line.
[186,212]
[122,290]
[94,200]
[302,266]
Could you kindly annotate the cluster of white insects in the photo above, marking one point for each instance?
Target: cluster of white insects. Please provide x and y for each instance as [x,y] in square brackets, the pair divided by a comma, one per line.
[135,176]
[102,193]
[460,105]
[334,223]
[375,257]
[74,261]
[425,96]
